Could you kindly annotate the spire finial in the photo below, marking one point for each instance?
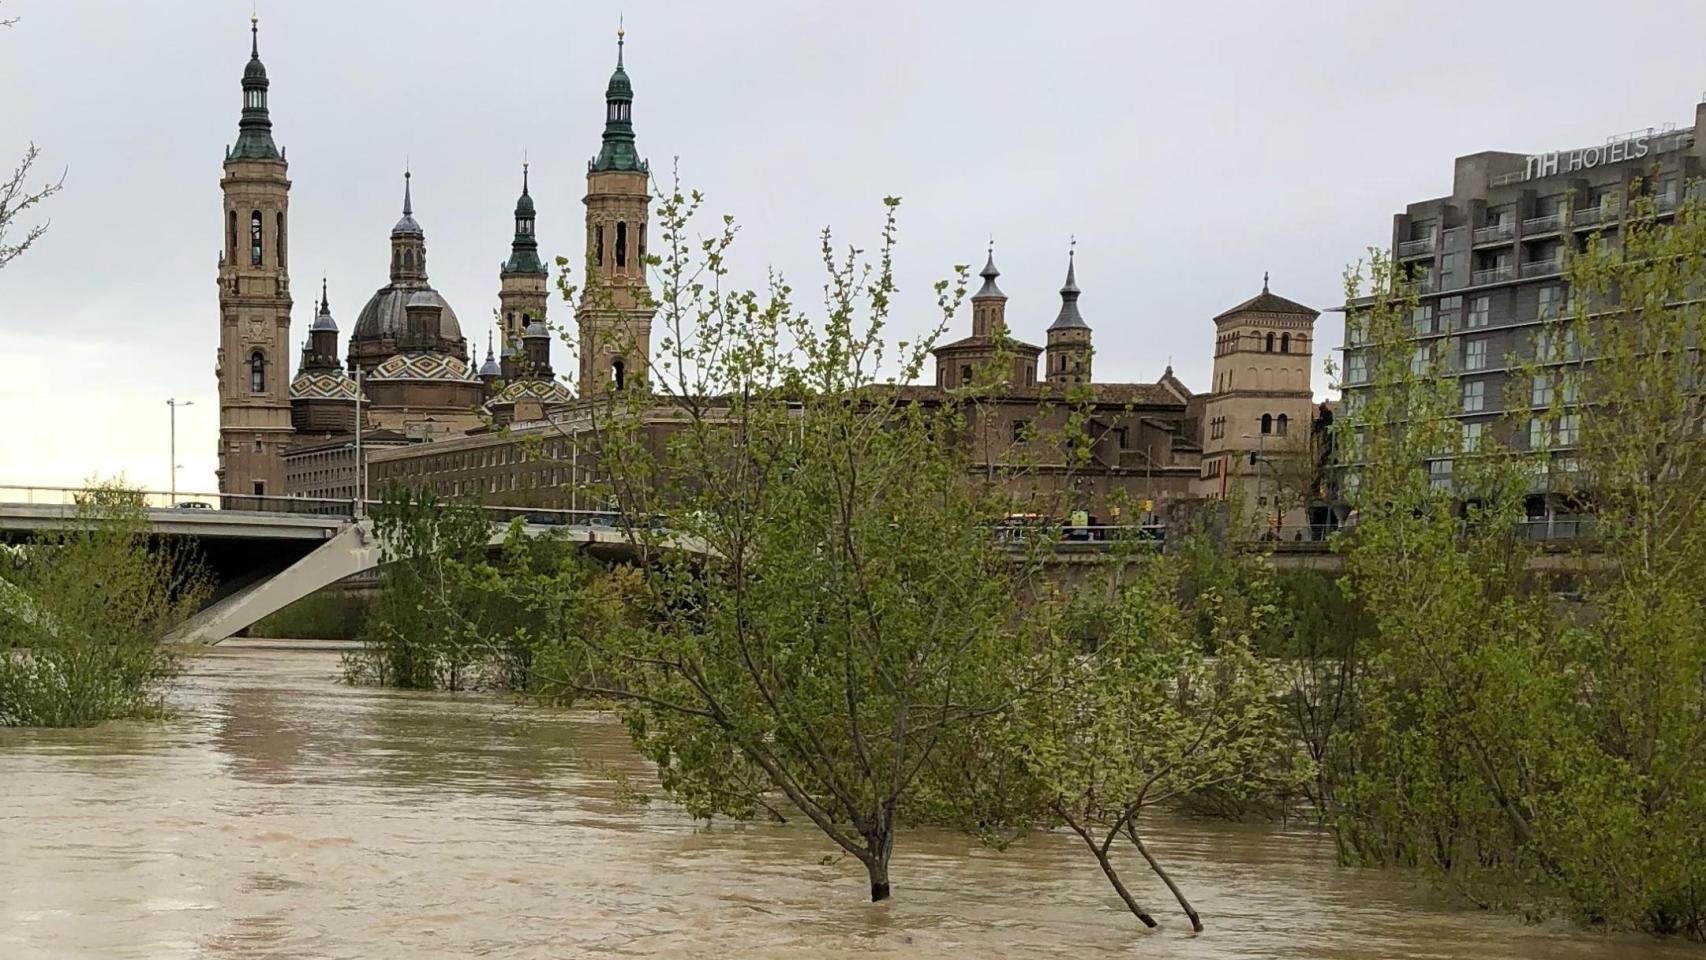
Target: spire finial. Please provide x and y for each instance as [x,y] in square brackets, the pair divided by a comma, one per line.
[524,172]
[1072,247]
[254,37]
[621,33]
[408,202]
[324,305]
[1264,281]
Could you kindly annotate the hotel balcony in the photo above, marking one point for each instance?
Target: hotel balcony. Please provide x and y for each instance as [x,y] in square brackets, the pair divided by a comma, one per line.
[1536,226]
[1410,249]
[1542,268]
[1496,233]
[1492,275]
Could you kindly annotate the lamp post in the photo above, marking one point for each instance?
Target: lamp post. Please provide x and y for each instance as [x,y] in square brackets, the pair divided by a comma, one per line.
[173,404]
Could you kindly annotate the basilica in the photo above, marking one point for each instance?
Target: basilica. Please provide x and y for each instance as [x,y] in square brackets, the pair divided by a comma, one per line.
[405,401]
[408,374]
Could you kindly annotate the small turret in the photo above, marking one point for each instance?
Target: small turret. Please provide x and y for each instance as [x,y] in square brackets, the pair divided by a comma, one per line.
[321,352]
[989,304]
[408,242]
[1069,350]
[254,131]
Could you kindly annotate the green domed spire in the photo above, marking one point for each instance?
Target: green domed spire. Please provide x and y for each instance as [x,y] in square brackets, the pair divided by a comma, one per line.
[524,249]
[618,152]
[254,131]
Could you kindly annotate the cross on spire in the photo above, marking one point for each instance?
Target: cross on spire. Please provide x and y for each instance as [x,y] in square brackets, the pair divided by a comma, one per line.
[1264,281]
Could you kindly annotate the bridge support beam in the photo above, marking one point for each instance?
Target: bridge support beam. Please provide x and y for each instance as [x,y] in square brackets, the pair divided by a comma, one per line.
[353,550]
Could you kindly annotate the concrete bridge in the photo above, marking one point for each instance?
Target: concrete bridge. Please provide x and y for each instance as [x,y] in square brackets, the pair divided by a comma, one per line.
[265,553]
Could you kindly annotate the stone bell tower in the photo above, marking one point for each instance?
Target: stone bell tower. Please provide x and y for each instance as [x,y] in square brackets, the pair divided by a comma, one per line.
[616,307]
[522,280]
[254,299]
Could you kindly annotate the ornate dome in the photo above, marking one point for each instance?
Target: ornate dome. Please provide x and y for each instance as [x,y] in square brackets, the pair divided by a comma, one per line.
[545,391]
[422,366]
[383,315]
[334,385]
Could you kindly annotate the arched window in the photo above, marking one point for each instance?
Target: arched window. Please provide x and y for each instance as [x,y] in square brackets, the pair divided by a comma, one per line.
[257,373]
[408,259]
[641,249]
[1281,423]
[231,238]
[255,238]
[1285,343]
[598,244]
[1270,343]
[618,373]
[621,244]
[278,238]
[1267,423]
[965,374]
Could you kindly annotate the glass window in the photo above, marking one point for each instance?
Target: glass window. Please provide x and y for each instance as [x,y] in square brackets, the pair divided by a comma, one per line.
[1356,333]
[621,244]
[1474,354]
[255,238]
[1540,393]
[1479,309]
[1267,423]
[1356,368]
[257,373]
[1020,428]
[1569,390]
[1569,429]
[1551,297]
[1472,434]
[1474,395]
[1420,359]
[1450,308]
[1538,435]
[1422,319]
[1281,423]
[1439,474]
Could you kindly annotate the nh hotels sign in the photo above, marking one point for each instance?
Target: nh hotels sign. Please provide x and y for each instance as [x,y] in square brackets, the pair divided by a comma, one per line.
[1586,158]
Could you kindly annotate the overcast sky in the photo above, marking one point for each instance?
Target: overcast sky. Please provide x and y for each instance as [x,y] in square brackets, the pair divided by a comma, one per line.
[1188,146]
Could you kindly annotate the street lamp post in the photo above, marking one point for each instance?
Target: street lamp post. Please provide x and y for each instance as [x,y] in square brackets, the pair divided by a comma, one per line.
[173,404]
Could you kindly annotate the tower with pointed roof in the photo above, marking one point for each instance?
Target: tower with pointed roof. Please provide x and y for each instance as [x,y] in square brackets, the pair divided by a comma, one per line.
[253,365]
[614,317]
[1262,401]
[970,360]
[1069,347]
[523,278]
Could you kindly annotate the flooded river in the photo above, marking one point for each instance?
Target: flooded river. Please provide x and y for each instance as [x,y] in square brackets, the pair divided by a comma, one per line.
[283,815]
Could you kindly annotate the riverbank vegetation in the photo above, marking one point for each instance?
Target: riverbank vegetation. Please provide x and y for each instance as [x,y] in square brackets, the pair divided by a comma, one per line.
[83,611]
[1538,754]
[848,645]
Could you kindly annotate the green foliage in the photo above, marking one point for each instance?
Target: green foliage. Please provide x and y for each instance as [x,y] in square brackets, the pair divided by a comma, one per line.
[1539,756]
[329,614]
[854,613]
[424,630]
[1173,703]
[82,614]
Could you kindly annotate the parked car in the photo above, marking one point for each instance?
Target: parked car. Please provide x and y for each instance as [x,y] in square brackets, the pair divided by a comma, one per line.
[193,505]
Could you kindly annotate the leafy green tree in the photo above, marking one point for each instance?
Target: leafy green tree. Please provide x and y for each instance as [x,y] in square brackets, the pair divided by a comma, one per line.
[853,614]
[1154,713]
[1541,756]
[83,611]
[424,629]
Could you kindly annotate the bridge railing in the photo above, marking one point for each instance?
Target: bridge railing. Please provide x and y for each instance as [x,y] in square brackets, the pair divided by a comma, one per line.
[183,500]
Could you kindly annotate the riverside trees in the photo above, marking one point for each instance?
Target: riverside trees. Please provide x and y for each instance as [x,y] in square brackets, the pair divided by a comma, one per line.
[1540,756]
[82,614]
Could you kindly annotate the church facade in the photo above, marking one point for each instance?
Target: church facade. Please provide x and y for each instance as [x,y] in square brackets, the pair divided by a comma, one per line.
[407,383]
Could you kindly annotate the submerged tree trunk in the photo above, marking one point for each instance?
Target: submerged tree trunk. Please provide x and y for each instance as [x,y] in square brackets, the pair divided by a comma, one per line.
[879,845]
[1190,911]
[1100,852]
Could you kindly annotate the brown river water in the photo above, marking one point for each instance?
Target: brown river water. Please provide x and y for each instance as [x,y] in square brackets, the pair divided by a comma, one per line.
[284,815]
